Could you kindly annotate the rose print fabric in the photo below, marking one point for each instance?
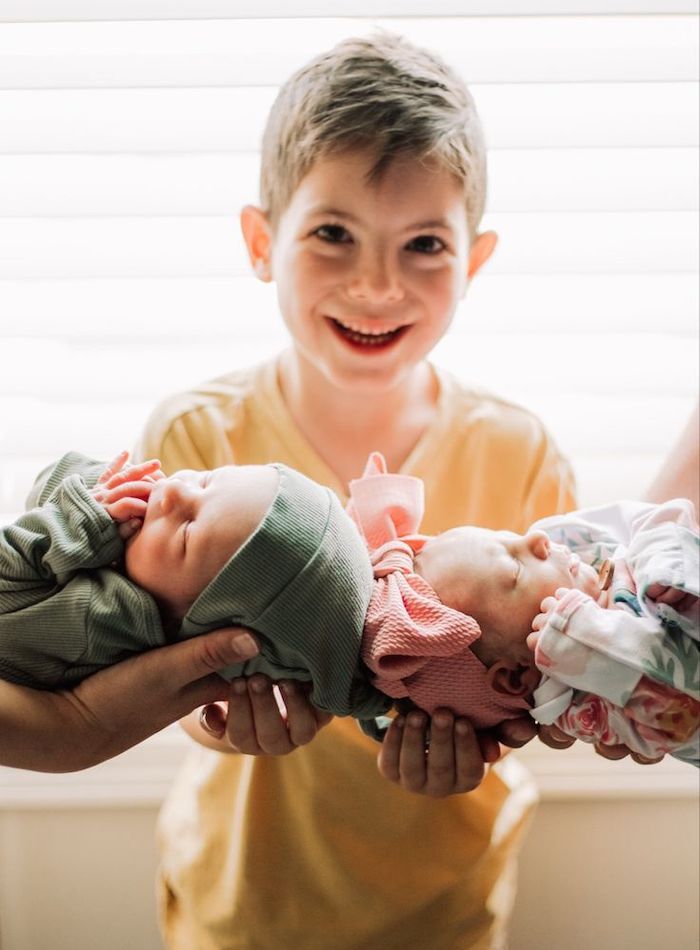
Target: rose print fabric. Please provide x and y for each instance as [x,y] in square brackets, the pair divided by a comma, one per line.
[626,669]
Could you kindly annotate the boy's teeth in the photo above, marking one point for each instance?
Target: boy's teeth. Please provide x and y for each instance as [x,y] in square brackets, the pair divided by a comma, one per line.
[372,338]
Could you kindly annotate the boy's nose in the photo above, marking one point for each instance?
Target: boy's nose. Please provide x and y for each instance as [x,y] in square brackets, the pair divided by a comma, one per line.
[375,280]
[537,543]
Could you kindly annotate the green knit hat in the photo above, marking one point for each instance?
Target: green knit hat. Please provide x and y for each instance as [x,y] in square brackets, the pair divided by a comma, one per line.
[302,582]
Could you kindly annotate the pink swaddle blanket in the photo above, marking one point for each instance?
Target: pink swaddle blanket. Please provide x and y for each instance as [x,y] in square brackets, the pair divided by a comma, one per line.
[415,645]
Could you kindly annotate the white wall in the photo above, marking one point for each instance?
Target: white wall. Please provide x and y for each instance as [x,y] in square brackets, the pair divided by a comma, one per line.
[128,142]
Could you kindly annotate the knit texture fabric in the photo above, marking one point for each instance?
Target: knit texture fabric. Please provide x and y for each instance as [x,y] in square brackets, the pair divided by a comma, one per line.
[302,583]
[415,645]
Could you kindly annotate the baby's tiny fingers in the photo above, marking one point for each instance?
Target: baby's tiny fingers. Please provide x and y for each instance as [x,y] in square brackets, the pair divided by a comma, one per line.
[126,509]
[114,466]
[133,473]
[532,638]
[155,476]
[141,489]
[127,529]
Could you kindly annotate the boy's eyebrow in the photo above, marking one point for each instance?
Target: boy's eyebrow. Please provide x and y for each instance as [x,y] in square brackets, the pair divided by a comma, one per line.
[433,223]
[333,212]
[348,216]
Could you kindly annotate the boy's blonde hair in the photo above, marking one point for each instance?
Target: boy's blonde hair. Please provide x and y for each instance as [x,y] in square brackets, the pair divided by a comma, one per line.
[380,93]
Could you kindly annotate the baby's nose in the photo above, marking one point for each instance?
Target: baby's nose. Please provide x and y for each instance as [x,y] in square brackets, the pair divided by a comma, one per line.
[537,543]
[176,494]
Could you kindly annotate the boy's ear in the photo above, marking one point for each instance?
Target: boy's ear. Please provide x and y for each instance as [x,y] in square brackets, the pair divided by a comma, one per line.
[258,239]
[512,678]
[481,250]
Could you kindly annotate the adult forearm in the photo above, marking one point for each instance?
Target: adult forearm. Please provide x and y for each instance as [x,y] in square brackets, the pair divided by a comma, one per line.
[679,476]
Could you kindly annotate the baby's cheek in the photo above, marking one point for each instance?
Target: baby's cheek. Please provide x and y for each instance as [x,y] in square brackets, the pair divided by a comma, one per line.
[588,582]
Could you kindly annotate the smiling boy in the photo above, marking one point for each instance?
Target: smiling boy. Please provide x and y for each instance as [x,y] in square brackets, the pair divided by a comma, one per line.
[372,190]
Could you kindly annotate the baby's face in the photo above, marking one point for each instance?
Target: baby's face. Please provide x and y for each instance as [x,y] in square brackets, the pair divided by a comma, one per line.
[187,536]
[501,578]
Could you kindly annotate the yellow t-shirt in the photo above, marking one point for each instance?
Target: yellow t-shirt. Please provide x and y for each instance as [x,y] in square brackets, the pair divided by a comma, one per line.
[315,850]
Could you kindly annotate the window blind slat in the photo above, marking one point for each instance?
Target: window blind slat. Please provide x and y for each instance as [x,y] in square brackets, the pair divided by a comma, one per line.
[635,424]
[60,370]
[57,10]
[211,120]
[559,180]
[265,52]
[229,309]
[661,242]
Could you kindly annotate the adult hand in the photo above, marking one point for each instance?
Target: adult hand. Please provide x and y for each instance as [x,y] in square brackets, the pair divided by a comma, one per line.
[437,757]
[117,707]
[556,739]
[254,722]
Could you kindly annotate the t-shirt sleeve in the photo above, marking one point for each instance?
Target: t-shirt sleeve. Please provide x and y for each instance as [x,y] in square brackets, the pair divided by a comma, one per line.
[552,488]
[185,435]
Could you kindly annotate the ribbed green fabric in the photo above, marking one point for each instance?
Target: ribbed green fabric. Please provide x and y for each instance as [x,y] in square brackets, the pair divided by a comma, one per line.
[302,582]
[63,612]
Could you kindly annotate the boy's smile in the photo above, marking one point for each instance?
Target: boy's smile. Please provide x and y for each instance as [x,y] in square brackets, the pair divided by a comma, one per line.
[368,274]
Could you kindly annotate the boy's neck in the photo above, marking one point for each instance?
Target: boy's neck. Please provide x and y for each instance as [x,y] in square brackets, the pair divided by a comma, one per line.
[344,427]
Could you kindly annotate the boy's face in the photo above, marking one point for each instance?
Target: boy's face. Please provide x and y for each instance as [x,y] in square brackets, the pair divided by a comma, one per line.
[501,578]
[186,538]
[369,275]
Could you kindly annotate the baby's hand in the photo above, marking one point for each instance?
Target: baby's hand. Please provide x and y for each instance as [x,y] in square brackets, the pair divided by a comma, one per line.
[124,490]
[546,607]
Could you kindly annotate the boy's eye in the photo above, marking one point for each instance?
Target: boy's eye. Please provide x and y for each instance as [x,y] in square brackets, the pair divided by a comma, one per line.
[333,233]
[426,244]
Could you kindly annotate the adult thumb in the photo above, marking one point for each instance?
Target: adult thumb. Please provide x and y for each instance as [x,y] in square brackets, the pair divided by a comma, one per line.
[195,666]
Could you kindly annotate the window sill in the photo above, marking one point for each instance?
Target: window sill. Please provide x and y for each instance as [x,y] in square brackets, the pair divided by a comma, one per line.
[141,778]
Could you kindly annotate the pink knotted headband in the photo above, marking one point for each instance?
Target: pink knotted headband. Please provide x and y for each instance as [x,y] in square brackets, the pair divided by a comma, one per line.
[415,645]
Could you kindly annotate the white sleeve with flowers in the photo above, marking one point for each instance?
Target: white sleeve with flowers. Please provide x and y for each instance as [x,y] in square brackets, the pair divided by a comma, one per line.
[613,677]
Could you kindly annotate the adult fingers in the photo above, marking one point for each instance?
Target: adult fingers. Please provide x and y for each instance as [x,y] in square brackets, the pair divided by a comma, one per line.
[645,760]
[448,762]
[390,752]
[553,737]
[270,725]
[240,723]
[192,666]
[440,764]
[303,720]
[454,763]
[127,702]
[212,718]
[612,752]
[412,756]
[470,756]
[516,733]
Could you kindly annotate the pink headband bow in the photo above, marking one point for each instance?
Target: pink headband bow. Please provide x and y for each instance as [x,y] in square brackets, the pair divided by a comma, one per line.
[415,645]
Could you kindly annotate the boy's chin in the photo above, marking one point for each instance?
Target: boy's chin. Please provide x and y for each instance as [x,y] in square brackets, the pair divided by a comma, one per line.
[375,381]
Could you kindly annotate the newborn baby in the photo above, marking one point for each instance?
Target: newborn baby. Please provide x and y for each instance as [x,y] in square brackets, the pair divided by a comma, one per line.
[609,657]
[119,560]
